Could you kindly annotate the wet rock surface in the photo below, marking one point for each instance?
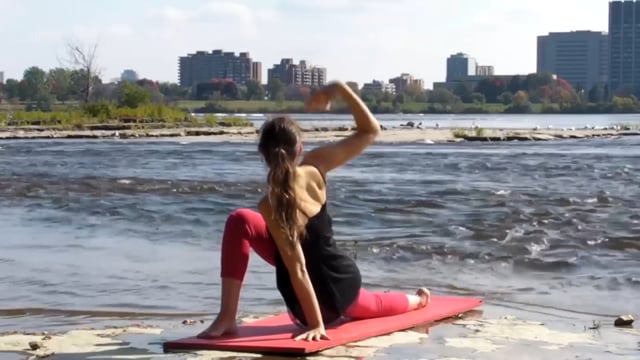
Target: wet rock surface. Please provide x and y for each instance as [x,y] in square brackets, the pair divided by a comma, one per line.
[624,321]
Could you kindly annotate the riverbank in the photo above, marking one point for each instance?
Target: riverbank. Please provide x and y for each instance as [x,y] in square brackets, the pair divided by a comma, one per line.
[230,107]
[248,133]
[494,331]
[390,107]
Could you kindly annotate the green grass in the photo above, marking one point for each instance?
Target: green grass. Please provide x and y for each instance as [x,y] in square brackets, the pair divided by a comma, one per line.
[108,116]
[244,106]
[257,106]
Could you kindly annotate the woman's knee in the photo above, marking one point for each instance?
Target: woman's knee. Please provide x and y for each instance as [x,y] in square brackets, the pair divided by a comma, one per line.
[244,219]
[239,217]
[248,228]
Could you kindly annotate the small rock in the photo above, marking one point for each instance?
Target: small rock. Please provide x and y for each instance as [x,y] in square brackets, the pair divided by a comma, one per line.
[623,320]
[46,337]
[188,322]
[34,345]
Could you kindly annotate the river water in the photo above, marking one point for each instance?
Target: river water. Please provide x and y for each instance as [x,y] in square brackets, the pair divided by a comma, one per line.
[118,227]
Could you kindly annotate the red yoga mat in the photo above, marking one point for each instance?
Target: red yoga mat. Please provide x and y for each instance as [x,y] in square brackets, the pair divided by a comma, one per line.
[273,335]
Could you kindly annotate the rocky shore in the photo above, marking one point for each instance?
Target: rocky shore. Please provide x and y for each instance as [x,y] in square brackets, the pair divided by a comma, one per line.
[493,332]
[401,134]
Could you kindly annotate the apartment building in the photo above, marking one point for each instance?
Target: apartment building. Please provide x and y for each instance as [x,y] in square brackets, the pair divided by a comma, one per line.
[401,82]
[378,86]
[485,70]
[204,66]
[301,74]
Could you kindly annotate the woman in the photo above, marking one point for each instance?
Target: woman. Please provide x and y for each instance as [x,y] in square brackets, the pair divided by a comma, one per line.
[292,231]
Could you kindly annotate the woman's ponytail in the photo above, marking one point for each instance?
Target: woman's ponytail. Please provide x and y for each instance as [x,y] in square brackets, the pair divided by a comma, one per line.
[282,196]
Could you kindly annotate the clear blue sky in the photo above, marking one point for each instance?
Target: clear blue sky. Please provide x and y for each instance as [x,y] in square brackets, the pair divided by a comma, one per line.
[355,40]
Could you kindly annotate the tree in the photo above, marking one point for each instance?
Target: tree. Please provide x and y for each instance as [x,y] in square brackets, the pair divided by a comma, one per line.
[33,84]
[106,92]
[386,97]
[442,96]
[217,89]
[371,97]
[77,85]
[12,89]
[624,104]
[563,96]
[506,98]
[133,95]
[544,93]
[59,81]
[491,88]
[230,90]
[478,98]
[154,89]
[276,89]
[463,91]
[400,99]
[84,58]
[533,81]
[596,94]
[563,84]
[520,98]
[516,84]
[520,103]
[414,92]
[255,91]
[172,91]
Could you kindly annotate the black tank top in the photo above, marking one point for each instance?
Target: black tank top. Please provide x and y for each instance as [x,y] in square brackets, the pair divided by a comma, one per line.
[334,275]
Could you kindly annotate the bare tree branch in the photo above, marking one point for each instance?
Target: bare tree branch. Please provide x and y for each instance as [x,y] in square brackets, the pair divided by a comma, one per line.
[84,57]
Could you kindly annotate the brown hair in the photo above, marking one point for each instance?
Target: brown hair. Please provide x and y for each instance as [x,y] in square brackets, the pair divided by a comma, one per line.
[279,140]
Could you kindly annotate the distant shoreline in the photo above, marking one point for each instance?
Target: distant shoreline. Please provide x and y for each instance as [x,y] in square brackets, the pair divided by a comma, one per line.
[230,107]
[388,108]
[249,134]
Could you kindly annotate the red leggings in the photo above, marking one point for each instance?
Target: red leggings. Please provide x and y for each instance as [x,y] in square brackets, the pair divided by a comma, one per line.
[246,229]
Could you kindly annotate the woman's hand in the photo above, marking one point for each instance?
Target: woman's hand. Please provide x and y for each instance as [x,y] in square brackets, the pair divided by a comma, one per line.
[321,99]
[313,335]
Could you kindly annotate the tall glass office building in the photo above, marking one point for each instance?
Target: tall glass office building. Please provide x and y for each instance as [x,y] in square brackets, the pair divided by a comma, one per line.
[624,46]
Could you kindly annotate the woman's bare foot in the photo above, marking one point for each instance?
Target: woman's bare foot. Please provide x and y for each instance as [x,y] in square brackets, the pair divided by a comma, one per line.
[425,296]
[220,326]
[421,299]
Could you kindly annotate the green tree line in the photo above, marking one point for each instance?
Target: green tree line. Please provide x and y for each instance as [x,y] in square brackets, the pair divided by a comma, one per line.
[40,89]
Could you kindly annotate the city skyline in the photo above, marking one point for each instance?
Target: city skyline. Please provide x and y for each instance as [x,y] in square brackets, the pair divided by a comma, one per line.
[355,40]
